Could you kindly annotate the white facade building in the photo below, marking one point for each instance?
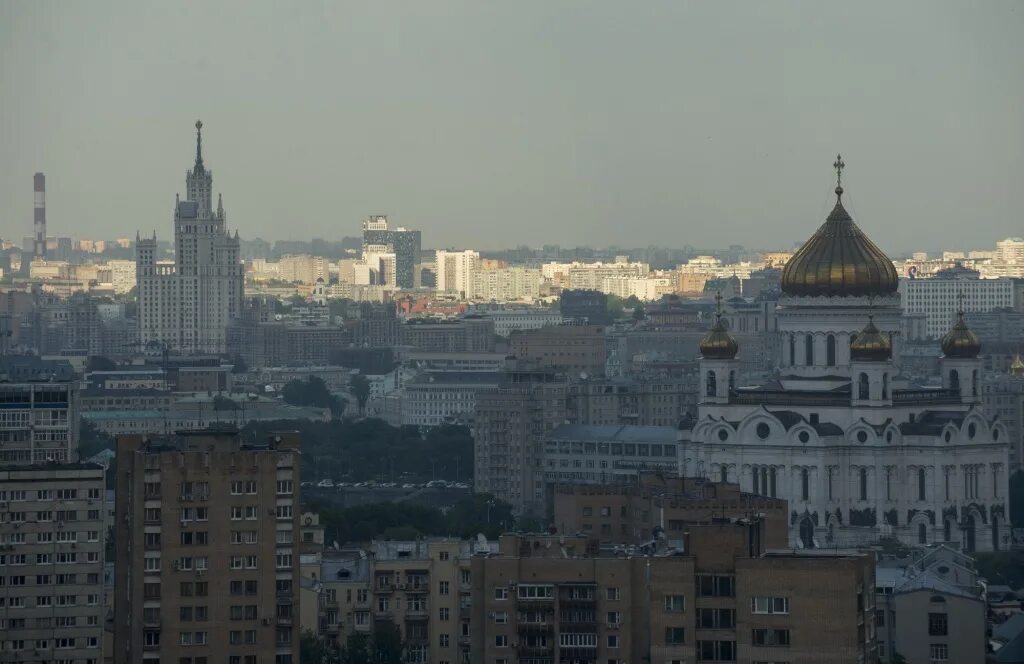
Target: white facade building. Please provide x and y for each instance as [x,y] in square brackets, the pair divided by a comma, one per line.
[937,297]
[859,454]
[455,270]
[187,305]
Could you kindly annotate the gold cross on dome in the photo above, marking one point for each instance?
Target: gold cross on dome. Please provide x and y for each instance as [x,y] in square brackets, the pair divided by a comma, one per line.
[839,165]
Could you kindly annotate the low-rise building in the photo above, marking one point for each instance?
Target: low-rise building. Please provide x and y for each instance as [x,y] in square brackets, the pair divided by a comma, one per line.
[601,454]
[575,349]
[660,504]
[930,608]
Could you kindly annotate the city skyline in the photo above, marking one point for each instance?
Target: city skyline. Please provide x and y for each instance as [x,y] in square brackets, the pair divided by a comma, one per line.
[508,133]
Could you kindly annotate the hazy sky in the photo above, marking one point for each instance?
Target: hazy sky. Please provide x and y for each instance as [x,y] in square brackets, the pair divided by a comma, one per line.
[491,124]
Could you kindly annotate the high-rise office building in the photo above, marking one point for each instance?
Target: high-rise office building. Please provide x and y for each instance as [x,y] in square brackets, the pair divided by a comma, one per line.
[187,305]
[207,555]
[402,242]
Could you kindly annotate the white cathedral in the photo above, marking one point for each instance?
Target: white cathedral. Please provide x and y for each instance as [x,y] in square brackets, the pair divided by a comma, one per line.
[858,452]
[186,306]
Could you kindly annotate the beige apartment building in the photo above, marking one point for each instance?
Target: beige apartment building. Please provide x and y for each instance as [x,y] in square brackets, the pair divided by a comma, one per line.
[421,586]
[207,554]
[662,503]
[52,538]
[722,598]
[575,349]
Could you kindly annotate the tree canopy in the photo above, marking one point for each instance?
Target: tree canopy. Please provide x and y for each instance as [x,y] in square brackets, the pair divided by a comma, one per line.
[312,392]
[364,450]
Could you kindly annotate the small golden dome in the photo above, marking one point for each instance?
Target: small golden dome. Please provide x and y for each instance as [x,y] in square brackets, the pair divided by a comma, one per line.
[870,345]
[960,341]
[839,260]
[718,344]
[1017,366]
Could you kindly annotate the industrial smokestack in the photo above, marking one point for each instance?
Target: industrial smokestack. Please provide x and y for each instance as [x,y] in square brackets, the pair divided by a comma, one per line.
[39,223]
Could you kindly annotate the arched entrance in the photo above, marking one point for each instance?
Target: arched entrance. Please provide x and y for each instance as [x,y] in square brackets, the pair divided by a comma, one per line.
[807,533]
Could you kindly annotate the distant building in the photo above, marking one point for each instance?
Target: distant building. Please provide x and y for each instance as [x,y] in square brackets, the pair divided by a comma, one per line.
[403,243]
[188,305]
[469,334]
[576,349]
[938,296]
[657,504]
[207,550]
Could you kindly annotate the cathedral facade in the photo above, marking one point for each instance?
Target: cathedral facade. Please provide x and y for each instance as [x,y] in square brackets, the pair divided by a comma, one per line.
[859,453]
[186,305]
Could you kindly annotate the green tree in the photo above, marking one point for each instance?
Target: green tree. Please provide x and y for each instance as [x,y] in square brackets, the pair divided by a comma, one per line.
[360,387]
[313,650]
[639,314]
[91,440]
[386,643]
[312,392]
[239,365]
[221,402]
[356,649]
[100,363]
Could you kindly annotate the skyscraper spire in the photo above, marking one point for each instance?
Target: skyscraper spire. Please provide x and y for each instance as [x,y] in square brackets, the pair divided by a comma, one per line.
[199,146]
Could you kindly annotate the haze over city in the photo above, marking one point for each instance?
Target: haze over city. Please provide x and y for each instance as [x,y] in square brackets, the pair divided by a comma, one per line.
[599,123]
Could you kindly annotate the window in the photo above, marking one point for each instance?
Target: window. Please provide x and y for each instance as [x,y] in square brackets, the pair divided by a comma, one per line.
[675,603]
[863,475]
[611,594]
[879,617]
[709,585]
[862,386]
[769,605]
[716,651]
[443,613]
[920,484]
[939,652]
[443,587]
[938,624]
[712,384]
[805,485]
[716,618]
[830,350]
[501,641]
[614,619]
[675,635]
[770,637]
[809,350]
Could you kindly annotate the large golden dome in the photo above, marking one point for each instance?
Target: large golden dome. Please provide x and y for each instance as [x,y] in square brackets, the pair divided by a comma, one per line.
[839,260]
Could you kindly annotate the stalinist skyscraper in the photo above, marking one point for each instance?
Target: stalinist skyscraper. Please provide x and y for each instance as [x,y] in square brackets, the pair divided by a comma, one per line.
[186,305]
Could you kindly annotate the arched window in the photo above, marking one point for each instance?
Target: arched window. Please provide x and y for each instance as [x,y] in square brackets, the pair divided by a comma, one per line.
[771,478]
[954,380]
[732,381]
[712,384]
[805,485]
[947,530]
[764,481]
[885,386]
[830,351]
[863,483]
[920,484]
[974,383]
[792,350]
[862,386]
[809,350]
[725,473]
[922,533]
